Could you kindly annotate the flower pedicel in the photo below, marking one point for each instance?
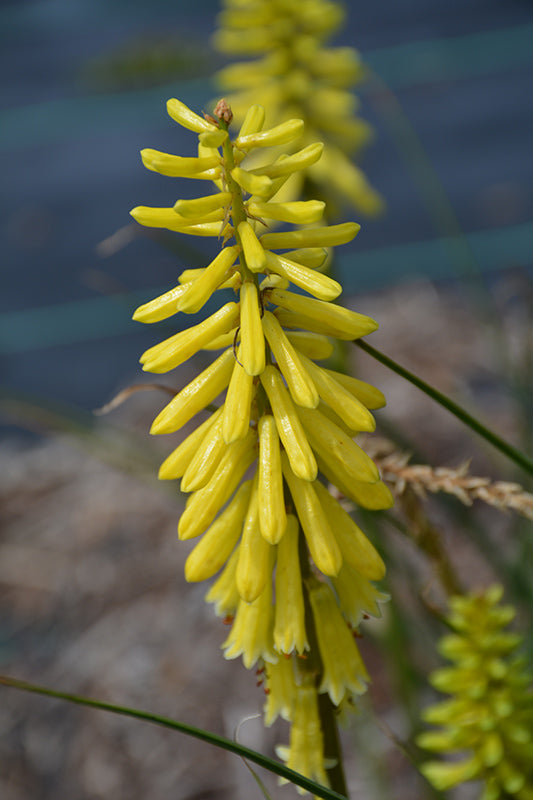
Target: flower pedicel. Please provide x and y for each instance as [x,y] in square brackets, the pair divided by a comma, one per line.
[282,420]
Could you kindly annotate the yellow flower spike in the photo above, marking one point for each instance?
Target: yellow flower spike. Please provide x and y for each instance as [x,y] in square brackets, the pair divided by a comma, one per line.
[313,345]
[357,596]
[488,716]
[306,751]
[223,593]
[179,348]
[357,551]
[350,410]
[279,687]
[289,427]
[258,185]
[161,307]
[299,382]
[329,236]
[368,395]
[179,166]
[284,133]
[252,348]
[206,459]
[202,205]
[236,418]
[199,292]
[167,218]
[186,118]
[253,251]
[176,463]
[253,121]
[300,212]
[321,541]
[255,557]
[272,515]
[220,539]
[312,257]
[195,396]
[343,668]
[294,163]
[343,323]
[251,632]
[289,613]
[320,286]
[324,435]
[203,506]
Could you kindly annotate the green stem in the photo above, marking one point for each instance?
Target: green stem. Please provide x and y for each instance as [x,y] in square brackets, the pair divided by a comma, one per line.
[504,447]
[189,730]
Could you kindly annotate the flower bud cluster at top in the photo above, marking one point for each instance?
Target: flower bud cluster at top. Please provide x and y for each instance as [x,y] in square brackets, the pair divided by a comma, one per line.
[294,74]
[283,417]
[489,718]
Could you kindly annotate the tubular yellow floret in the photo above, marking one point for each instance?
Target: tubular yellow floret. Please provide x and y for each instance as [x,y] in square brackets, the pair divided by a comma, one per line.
[321,541]
[254,565]
[312,257]
[289,615]
[343,323]
[300,212]
[313,345]
[199,292]
[284,133]
[293,163]
[258,185]
[176,463]
[202,205]
[315,283]
[180,347]
[303,390]
[196,395]
[272,514]
[214,138]
[356,549]
[167,218]
[328,437]
[253,121]
[205,461]
[252,348]
[351,411]
[218,542]
[161,307]
[186,118]
[290,430]
[223,593]
[203,505]
[312,237]
[368,395]
[236,416]
[178,166]
[253,251]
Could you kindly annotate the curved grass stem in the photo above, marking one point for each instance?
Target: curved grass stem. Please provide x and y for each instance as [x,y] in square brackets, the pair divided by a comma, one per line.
[504,447]
[188,730]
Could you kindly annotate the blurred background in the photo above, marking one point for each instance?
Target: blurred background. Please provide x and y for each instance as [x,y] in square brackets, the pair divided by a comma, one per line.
[92,596]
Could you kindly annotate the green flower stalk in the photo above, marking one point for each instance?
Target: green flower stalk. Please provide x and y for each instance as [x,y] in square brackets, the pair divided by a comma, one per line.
[489,718]
[294,74]
[252,467]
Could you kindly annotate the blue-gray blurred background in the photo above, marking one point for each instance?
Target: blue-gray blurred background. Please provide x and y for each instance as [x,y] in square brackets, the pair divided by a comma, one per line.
[84,85]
